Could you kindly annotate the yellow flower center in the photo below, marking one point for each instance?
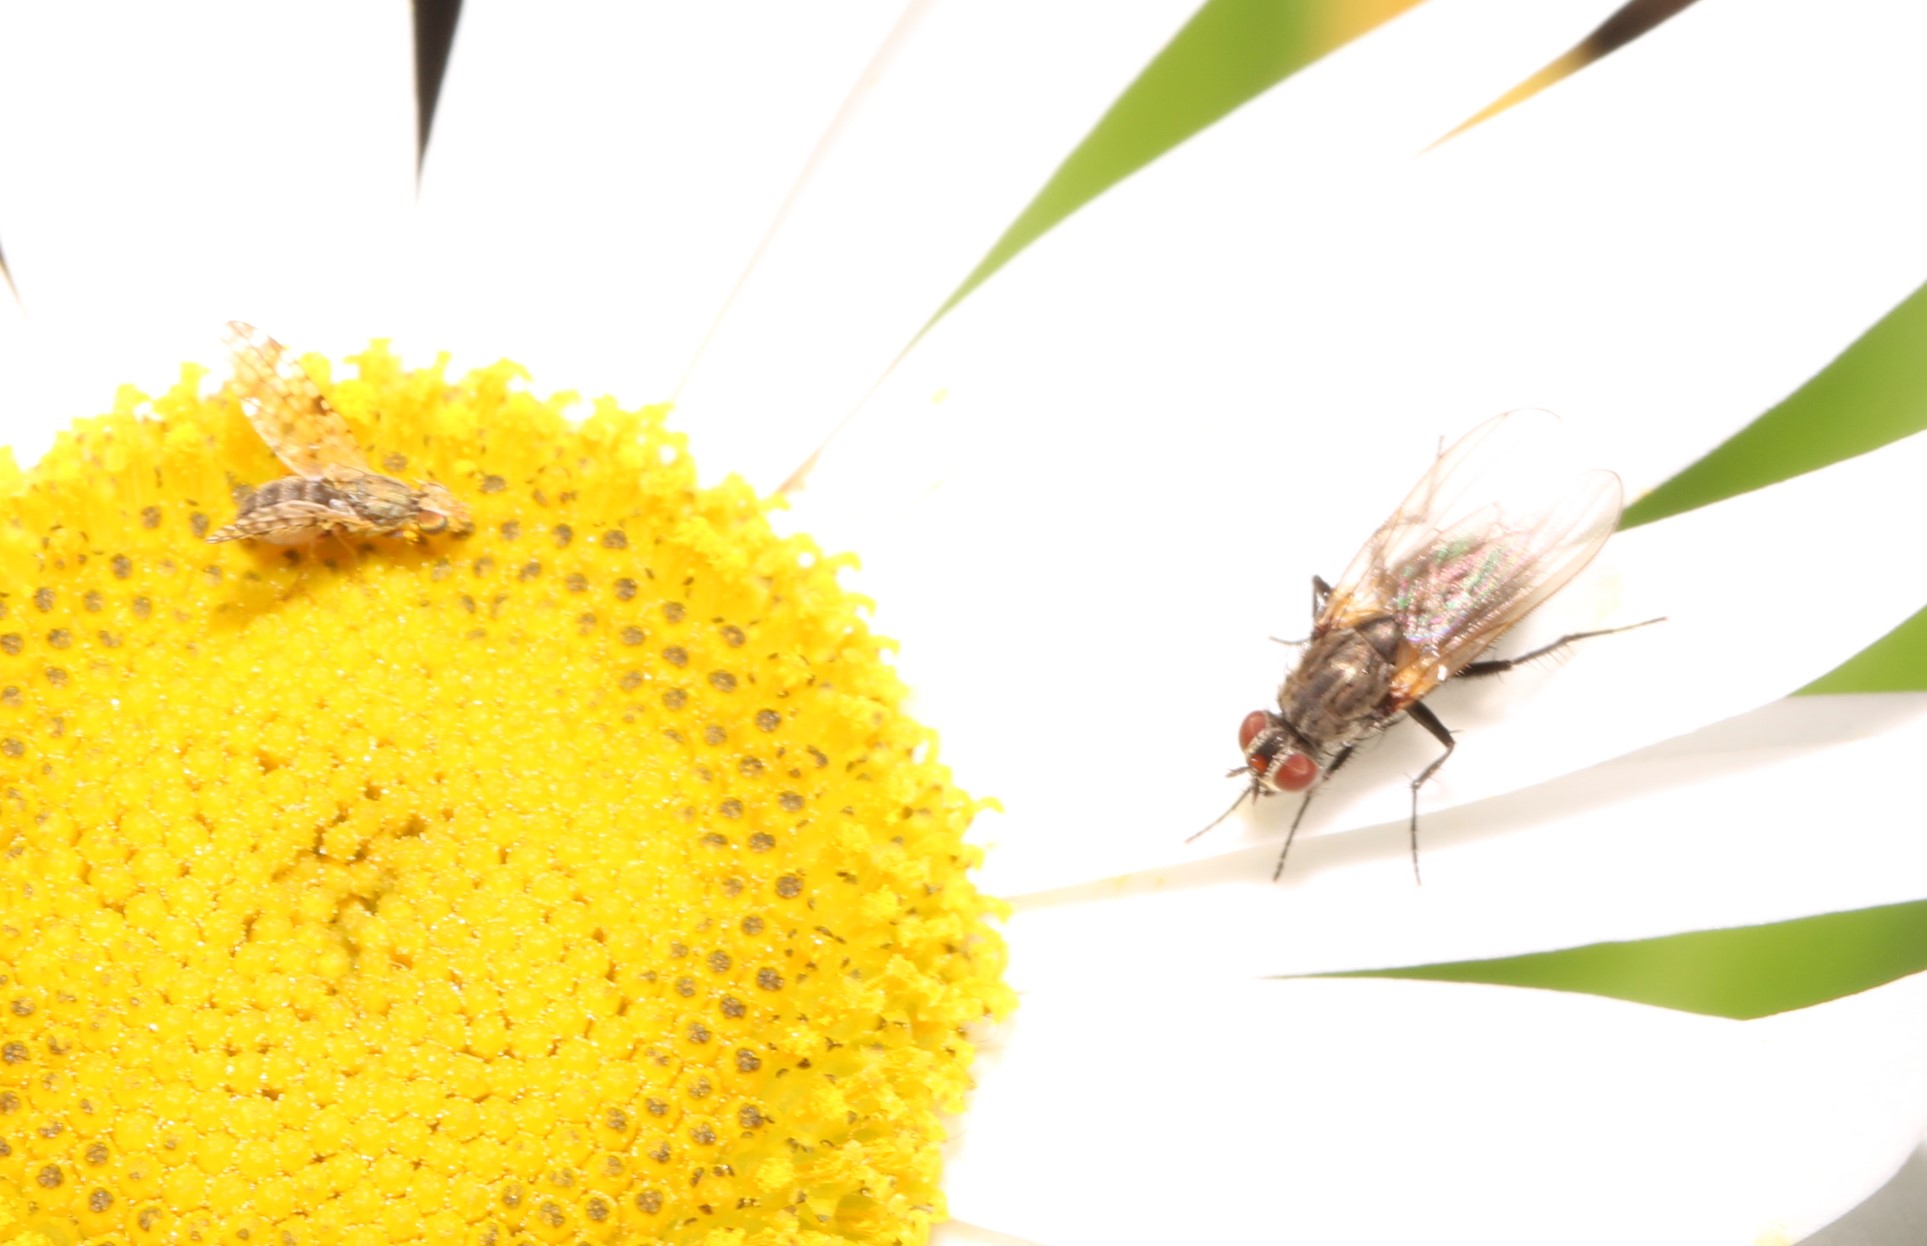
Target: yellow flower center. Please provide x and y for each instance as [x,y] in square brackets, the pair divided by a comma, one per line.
[579,880]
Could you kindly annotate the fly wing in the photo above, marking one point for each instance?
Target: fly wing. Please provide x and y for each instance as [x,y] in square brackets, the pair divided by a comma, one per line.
[288,409]
[1496,526]
[285,522]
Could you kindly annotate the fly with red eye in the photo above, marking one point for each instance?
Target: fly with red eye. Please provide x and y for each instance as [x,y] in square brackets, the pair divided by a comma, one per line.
[1489,533]
[1276,760]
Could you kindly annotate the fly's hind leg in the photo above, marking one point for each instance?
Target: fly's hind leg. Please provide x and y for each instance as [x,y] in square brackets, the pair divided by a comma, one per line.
[1305,804]
[1320,593]
[1425,718]
[1498,666]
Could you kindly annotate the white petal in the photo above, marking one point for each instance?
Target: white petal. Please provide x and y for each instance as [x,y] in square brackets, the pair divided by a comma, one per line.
[24,428]
[1081,479]
[600,175]
[1802,807]
[1110,648]
[958,1233]
[1369,1112]
[1658,248]
[1892,1214]
[1673,239]
[1743,627]
[971,113]
[172,167]
[918,188]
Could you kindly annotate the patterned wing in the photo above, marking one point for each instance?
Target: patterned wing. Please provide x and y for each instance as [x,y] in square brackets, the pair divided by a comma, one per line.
[288,409]
[283,523]
[1492,530]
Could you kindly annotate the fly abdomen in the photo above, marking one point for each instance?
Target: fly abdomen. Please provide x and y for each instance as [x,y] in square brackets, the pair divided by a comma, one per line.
[289,511]
[296,489]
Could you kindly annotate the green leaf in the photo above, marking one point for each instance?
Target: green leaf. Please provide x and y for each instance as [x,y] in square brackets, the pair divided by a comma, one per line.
[1897,662]
[1873,393]
[1231,51]
[1749,971]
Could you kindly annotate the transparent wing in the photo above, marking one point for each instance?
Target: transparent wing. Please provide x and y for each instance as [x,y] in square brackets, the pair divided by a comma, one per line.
[1499,523]
[288,409]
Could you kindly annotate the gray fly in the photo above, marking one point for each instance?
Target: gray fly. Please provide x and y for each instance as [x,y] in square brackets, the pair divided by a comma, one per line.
[1489,533]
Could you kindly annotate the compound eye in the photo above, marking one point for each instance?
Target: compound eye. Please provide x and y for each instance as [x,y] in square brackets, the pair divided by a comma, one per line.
[1255,721]
[1294,772]
[430,522]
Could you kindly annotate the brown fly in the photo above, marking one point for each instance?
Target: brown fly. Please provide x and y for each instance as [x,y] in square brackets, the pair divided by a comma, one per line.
[1487,535]
[333,490]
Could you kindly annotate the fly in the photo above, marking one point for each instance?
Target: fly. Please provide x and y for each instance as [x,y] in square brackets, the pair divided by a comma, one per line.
[333,489]
[1488,534]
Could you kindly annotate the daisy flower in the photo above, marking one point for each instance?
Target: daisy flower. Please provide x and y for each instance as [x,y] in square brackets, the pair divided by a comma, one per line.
[598,876]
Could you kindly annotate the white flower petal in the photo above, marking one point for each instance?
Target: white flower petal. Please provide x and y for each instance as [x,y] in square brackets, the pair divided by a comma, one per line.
[1893,1214]
[1792,810]
[1671,240]
[24,428]
[917,190]
[600,175]
[1370,1112]
[169,168]
[1658,248]
[1111,647]
[913,192]
[958,1233]
[1072,479]
[1742,627]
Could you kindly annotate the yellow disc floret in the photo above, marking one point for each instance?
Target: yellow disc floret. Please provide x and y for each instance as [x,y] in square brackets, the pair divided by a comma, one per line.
[580,880]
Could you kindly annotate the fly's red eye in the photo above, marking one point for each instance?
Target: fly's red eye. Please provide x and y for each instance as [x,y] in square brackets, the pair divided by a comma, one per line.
[1255,721]
[1294,773]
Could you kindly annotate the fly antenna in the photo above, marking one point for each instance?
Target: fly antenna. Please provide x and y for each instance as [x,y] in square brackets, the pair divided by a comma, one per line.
[1227,813]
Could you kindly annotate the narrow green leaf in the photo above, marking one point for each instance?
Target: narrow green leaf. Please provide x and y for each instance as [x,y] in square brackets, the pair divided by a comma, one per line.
[1749,971]
[1873,393]
[1897,662]
[1231,51]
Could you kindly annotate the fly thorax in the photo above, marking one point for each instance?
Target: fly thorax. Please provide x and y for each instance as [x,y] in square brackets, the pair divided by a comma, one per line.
[1332,698]
[1383,635]
[381,501]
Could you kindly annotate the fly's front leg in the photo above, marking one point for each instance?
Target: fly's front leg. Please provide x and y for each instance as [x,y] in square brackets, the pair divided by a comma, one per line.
[1305,804]
[1499,666]
[1425,718]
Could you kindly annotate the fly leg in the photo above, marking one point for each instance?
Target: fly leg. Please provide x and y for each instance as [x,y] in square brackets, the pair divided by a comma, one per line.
[299,562]
[1320,593]
[1425,718]
[1499,666]
[1430,721]
[1306,804]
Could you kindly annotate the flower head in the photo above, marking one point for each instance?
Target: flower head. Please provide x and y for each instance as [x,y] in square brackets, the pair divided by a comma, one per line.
[582,877]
